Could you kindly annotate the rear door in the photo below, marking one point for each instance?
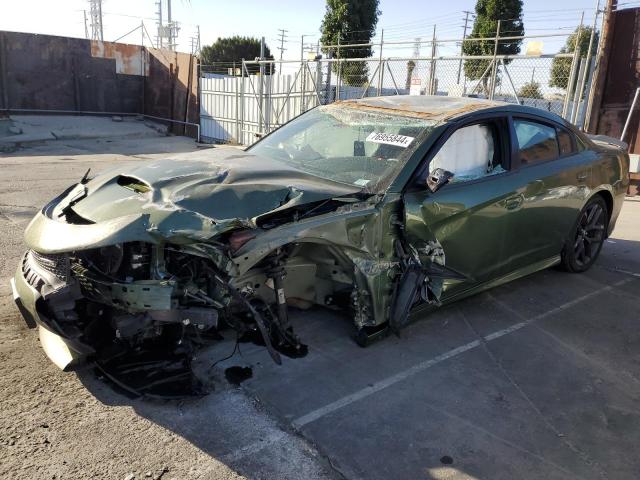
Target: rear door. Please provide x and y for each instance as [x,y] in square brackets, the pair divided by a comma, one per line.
[469,216]
[553,172]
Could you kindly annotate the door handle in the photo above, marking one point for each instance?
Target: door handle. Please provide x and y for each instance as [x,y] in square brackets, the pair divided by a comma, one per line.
[512,203]
[582,176]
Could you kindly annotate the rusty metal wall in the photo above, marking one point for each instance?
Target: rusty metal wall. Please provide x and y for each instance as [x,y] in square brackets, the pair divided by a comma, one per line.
[47,72]
[60,73]
[172,88]
[618,84]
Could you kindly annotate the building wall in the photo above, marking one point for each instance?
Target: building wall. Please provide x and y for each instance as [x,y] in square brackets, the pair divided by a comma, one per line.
[617,83]
[47,72]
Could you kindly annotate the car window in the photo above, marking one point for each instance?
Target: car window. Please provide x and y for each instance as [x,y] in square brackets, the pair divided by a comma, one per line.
[470,153]
[536,142]
[565,142]
[349,145]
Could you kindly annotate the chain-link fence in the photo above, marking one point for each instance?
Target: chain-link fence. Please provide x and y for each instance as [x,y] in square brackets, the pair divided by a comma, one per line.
[254,97]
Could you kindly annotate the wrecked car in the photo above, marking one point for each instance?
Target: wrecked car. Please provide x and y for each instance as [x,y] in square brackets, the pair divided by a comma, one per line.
[379,207]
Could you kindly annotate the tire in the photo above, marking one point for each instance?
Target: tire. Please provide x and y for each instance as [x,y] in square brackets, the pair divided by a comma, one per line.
[587,236]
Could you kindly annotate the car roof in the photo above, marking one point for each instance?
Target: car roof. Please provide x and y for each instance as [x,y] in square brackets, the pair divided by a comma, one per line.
[440,108]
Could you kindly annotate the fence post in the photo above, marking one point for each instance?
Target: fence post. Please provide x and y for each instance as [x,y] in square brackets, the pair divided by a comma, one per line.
[380,64]
[588,68]
[577,94]
[242,69]
[303,75]
[581,120]
[267,110]
[237,109]
[597,62]
[319,78]
[260,89]
[572,73]
[338,72]
[494,70]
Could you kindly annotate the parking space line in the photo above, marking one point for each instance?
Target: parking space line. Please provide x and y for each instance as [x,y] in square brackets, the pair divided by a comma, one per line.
[623,271]
[382,384]
[398,377]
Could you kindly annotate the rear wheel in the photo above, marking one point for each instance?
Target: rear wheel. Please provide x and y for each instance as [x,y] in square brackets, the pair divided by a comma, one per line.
[586,238]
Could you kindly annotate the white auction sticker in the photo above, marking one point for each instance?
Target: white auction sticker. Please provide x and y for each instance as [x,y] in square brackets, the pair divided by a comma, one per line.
[390,139]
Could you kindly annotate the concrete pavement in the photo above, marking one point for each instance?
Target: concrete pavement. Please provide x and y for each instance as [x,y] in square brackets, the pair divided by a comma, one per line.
[539,378]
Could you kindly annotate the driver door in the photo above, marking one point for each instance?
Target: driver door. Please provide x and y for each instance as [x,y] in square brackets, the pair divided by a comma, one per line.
[469,215]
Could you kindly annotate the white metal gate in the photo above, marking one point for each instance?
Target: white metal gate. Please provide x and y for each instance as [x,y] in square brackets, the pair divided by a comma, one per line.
[240,109]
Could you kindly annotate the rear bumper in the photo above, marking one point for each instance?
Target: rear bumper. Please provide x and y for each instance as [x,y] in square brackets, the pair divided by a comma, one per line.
[61,349]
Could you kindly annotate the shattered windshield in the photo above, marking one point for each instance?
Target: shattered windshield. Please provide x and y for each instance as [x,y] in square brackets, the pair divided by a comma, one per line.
[347,145]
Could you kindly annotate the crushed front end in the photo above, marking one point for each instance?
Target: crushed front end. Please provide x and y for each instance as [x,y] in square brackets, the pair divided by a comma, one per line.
[139,270]
[122,304]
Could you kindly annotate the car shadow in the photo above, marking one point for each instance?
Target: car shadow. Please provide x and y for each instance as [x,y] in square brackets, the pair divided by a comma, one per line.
[227,421]
[437,398]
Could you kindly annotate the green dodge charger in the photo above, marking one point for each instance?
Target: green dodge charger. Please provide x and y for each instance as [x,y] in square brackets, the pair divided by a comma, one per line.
[379,208]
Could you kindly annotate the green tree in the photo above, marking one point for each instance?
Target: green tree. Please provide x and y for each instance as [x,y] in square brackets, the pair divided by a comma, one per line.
[224,52]
[350,22]
[561,66]
[488,12]
[530,90]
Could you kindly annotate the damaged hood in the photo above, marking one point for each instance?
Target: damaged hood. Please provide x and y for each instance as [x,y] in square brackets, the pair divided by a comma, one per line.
[197,195]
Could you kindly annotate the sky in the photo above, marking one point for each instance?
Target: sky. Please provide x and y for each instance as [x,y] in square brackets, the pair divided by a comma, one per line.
[402,20]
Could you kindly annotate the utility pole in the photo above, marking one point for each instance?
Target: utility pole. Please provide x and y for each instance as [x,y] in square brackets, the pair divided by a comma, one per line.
[172,28]
[95,11]
[283,36]
[160,26]
[167,34]
[195,42]
[416,47]
[432,68]
[169,25]
[86,25]
[464,35]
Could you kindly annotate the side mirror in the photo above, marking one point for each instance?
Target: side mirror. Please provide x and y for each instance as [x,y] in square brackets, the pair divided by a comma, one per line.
[438,178]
